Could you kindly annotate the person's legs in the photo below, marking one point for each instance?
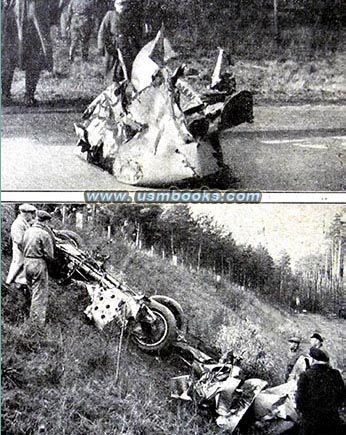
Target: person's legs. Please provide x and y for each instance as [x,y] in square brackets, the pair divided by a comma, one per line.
[75,35]
[34,60]
[85,38]
[32,76]
[37,277]
[7,72]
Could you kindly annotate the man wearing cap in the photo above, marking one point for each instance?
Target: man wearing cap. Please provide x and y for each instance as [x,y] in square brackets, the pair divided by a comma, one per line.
[120,38]
[293,354]
[23,221]
[38,248]
[316,340]
[81,16]
[320,394]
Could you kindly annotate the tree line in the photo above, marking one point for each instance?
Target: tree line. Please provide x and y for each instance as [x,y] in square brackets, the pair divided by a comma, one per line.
[199,243]
[247,27]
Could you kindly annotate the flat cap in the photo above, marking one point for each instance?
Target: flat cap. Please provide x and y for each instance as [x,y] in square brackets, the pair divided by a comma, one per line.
[43,216]
[317,336]
[294,339]
[318,354]
[27,208]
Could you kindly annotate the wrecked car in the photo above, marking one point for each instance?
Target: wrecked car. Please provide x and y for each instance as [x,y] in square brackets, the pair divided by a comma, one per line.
[218,386]
[155,130]
[154,323]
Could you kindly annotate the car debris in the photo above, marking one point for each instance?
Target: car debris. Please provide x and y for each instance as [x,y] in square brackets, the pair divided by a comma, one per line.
[154,323]
[157,324]
[155,130]
[219,385]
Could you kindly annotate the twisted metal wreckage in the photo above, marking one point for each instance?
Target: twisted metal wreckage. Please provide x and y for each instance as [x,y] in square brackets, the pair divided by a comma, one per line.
[157,323]
[154,129]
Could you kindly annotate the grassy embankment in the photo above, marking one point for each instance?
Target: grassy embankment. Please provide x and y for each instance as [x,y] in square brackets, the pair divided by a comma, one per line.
[64,380]
[288,76]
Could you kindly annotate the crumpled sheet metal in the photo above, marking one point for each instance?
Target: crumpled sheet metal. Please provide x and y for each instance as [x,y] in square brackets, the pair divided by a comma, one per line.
[108,304]
[277,402]
[274,408]
[148,143]
[237,409]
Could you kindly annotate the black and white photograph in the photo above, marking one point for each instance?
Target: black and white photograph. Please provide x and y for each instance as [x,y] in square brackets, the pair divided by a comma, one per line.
[246,94]
[173,319]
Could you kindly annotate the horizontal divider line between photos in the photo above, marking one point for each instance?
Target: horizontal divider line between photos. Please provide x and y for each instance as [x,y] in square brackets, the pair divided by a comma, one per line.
[167,196]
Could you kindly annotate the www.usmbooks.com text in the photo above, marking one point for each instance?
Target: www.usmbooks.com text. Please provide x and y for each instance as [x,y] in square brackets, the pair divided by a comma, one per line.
[173,197]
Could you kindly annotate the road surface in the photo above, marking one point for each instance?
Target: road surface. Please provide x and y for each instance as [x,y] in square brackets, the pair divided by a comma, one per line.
[295,148]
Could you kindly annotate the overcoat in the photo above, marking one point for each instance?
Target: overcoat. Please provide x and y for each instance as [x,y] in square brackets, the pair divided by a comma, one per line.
[26,30]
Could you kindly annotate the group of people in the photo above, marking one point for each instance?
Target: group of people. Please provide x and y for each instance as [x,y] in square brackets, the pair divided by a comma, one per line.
[33,247]
[124,26]
[320,388]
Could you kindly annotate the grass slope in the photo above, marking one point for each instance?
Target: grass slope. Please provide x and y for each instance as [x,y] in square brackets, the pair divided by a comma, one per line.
[63,381]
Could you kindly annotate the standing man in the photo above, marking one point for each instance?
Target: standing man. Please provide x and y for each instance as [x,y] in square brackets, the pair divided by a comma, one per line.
[293,354]
[23,221]
[102,6]
[38,245]
[81,16]
[319,396]
[63,22]
[120,38]
[26,43]
[316,340]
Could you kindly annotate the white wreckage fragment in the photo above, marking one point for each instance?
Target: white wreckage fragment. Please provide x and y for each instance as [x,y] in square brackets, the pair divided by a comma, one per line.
[108,304]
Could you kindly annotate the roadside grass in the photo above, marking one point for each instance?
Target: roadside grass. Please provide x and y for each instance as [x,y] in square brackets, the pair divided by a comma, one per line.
[289,75]
[63,380]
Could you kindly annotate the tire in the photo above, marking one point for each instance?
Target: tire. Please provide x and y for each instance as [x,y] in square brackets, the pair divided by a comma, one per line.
[71,237]
[165,330]
[173,306]
[58,268]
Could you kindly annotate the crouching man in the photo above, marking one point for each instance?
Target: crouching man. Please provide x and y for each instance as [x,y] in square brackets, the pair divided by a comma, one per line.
[38,249]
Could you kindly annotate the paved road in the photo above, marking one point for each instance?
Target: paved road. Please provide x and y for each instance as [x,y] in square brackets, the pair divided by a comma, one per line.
[287,148]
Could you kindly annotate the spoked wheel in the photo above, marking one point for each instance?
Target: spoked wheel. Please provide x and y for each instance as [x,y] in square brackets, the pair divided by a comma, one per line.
[157,334]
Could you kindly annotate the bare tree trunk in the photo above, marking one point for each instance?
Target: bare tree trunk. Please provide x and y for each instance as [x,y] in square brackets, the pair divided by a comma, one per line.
[276,23]
[172,243]
[199,255]
[138,236]
[63,212]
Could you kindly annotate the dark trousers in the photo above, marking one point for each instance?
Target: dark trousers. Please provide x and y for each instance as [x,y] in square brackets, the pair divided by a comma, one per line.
[32,66]
[81,29]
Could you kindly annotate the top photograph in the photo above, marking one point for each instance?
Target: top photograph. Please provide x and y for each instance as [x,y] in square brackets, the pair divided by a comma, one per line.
[160,94]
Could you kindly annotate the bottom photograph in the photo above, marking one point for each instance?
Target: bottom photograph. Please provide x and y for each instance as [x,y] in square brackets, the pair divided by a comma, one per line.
[173,319]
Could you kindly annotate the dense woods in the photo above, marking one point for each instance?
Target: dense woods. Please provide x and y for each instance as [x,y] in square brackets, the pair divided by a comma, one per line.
[200,243]
[257,27]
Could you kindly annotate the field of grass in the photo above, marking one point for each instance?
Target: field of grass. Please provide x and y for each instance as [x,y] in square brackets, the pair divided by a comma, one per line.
[286,77]
[63,380]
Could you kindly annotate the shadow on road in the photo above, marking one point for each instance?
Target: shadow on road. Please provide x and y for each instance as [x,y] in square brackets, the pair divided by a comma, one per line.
[60,105]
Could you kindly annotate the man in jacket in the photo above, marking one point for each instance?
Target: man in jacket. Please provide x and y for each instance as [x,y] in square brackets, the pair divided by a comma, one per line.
[26,43]
[38,248]
[120,38]
[81,16]
[22,222]
[319,396]
[294,353]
